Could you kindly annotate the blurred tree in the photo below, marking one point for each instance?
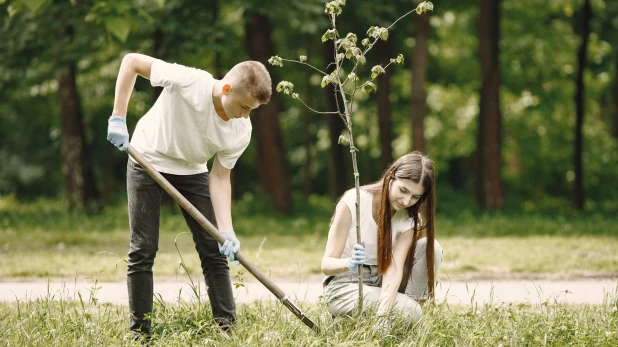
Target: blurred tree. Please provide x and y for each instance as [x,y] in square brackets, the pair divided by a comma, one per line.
[336,162]
[418,99]
[490,194]
[385,52]
[273,167]
[579,105]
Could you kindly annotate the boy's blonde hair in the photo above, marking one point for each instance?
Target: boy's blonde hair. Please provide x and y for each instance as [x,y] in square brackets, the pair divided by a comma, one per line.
[251,77]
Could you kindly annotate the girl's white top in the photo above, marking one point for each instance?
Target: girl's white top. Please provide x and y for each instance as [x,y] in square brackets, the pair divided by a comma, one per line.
[182,131]
[400,222]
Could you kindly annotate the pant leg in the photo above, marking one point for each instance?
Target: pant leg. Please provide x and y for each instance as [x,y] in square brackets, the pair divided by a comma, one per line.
[417,287]
[342,295]
[214,265]
[144,196]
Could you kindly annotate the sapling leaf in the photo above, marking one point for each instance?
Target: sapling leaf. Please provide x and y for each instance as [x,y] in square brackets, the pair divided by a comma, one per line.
[275,61]
[302,58]
[285,86]
[376,71]
[343,140]
[368,86]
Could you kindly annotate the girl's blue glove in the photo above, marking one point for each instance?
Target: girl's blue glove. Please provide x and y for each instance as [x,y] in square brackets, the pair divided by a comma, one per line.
[230,246]
[357,258]
[117,132]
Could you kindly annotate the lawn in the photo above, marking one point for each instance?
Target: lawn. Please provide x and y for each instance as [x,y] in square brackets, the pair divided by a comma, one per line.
[47,322]
[41,240]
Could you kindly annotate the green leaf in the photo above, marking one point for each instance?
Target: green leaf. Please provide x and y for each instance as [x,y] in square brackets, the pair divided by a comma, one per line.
[352,76]
[343,140]
[361,59]
[276,61]
[118,26]
[285,87]
[328,80]
[302,58]
[34,5]
[383,34]
[351,37]
[399,59]
[368,86]
[365,42]
[294,95]
[372,31]
[376,71]
[340,57]
[330,34]
[333,7]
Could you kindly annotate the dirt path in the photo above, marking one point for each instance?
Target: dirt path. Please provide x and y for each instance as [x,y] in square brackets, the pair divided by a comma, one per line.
[483,291]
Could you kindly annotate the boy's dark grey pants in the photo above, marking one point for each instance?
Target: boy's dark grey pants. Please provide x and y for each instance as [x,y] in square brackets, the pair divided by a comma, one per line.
[144,210]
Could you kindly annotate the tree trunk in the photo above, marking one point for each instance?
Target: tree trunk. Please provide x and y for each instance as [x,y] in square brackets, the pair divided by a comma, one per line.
[616,100]
[579,107]
[385,52]
[308,124]
[418,104]
[273,167]
[490,193]
[76,169]
[336,163]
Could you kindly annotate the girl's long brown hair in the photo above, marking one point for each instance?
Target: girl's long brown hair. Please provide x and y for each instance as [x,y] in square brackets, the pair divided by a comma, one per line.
[418,168]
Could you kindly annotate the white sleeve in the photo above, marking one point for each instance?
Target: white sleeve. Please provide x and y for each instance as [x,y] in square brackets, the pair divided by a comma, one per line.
[175,77]
[404,223]
[229,157]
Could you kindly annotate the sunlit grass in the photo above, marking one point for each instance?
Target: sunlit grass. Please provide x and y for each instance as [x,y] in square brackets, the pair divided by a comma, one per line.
[62,322]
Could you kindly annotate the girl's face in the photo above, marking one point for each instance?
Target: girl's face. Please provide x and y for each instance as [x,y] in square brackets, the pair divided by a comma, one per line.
[404,193]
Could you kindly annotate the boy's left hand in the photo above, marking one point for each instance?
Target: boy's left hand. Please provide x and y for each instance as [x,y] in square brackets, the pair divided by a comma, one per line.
[230,246]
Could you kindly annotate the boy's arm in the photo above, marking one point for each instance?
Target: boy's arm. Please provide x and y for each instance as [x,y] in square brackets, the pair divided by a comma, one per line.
[133,64]
[392,278]
[221,195]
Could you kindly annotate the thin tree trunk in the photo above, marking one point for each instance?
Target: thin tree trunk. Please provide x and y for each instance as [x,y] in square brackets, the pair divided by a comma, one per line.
[490,193]
[76,169]
[385,53]
[273,167]
[308,124]
[418,104]
[616,100]
[336,163]
[579,107]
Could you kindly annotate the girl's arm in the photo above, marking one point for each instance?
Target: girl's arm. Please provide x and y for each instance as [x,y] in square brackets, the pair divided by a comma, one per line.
[133,64]
[332,263]
[392,278]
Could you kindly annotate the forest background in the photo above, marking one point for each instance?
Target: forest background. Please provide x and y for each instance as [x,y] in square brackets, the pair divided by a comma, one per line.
[514,100]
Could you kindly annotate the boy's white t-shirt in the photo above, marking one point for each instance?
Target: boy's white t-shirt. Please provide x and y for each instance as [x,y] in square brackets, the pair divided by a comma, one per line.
[400,222]
[182,131]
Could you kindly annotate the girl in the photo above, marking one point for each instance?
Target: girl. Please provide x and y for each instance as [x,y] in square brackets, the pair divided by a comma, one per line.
[399,266]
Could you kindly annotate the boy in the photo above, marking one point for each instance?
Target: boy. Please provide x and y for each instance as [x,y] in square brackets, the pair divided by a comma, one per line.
[195,118]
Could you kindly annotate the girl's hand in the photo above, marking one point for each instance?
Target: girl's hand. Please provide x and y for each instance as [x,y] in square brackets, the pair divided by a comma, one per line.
[357,258]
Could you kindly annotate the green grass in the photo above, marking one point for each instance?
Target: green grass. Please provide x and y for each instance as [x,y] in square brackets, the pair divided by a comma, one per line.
[40,240]
[60,322]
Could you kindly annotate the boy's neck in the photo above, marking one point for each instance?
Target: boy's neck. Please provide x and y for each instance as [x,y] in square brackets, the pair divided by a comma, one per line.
[217,94]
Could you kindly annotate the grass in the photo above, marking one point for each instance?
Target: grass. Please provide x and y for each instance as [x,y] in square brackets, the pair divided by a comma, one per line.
[41,240]
[61,322]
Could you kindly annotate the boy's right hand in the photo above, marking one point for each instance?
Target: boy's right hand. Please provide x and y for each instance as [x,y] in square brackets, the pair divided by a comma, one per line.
[117,132]
[357,258]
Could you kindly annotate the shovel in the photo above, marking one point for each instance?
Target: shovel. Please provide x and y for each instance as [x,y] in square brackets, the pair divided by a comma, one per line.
[187,206]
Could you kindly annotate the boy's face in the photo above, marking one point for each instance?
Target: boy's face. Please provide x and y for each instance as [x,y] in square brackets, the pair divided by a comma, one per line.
[404,193]
[238,105]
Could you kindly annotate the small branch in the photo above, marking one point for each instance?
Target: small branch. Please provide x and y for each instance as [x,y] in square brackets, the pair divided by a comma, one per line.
[300,62]
[320,112]
[398,19]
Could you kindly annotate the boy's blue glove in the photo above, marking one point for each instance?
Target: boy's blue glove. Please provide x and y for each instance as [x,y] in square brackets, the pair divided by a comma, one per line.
[230,246]
[117,132]
[357,258]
